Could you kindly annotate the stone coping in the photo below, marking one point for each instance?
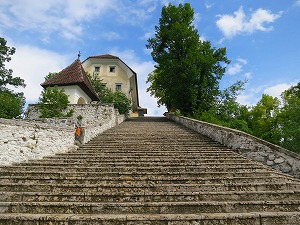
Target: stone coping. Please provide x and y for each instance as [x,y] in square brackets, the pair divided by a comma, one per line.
[246,144]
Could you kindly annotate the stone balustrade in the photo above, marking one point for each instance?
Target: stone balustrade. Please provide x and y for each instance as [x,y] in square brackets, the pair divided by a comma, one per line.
[246,144]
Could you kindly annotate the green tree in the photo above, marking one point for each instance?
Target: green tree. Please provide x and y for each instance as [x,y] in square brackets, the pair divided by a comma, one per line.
[53,102]
[100,89]
[187,70]
[11,103]
[264,120]
[226,111]
[119,100]
[289,118]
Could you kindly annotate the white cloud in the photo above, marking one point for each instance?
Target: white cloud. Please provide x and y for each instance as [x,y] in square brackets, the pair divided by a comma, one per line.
[252,96]
[234,69]
[237,67]
[247,99]
[62,17]
[68,18]
[111,36]
[33,64]
[238,23]
[248,75]
[208,5]
[276,90]
[297,3]
[242,61]
[197,18]
[148,35]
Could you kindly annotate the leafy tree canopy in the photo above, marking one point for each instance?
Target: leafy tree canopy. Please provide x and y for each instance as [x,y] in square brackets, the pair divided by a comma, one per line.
[6,77]
[99,87]
[289,118]
[117,98]
[53,102]
[263,119]
[188,70]
[11,103]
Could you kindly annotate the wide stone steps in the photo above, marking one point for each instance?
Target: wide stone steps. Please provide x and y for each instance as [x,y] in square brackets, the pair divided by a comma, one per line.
[219,172]
[137,181]
[131,188]
[149,207]
[255,218]
[147,171]
[148,196]
[114,168]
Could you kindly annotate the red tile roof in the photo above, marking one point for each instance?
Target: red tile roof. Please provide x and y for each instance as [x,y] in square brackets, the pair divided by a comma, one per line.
[105,56]
[73,75]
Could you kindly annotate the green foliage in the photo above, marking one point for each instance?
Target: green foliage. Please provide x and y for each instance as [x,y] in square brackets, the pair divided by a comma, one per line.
[263,119]
[53,102]
[187,73]
[289,118]
[6,77]
[11,103]
[226,111]
[100,89]
[119,100]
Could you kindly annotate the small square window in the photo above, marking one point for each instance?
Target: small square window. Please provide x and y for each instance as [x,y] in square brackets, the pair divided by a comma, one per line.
[97,69]
[112,69]
[118,87]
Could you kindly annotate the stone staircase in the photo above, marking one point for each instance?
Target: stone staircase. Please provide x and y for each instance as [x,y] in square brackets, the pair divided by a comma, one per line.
[147,171]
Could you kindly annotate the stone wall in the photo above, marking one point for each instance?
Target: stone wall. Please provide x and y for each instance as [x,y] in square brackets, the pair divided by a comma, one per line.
[96,118]
[23,140]
[34,137]
[246,144]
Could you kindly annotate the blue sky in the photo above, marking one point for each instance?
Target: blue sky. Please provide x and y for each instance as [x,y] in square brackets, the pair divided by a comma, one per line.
[261,38]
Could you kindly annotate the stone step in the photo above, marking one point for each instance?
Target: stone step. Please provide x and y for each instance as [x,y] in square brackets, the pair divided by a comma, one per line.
[195,153]
[109,166]
[147,171]
[254,218]
[139,180]
[146,196]
[149,207]
[158,158]
[187,159]
[44,165]
[198,172]
[132,187]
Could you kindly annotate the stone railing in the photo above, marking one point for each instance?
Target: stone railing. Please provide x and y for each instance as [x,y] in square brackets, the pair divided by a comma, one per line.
[246,144]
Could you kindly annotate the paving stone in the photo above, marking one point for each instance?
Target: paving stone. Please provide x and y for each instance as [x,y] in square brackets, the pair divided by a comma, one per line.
[148,171]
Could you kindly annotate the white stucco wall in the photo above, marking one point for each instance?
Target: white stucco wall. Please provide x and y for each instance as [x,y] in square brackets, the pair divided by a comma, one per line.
[122,75]
[74,92]
[110,79]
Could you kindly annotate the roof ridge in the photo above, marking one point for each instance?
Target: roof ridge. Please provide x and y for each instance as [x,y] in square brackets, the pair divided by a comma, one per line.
[73,74]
